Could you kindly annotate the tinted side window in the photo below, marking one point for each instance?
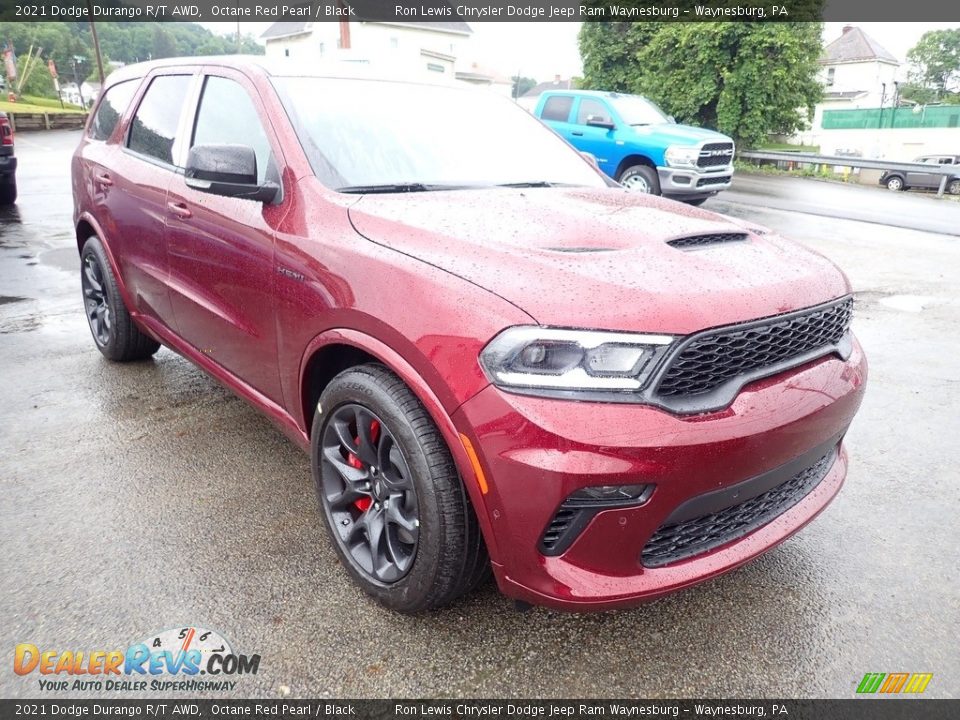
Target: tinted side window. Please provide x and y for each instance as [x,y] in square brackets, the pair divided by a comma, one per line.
[592,108]
[227,116]
[111,109]
[154,127]
[557,108]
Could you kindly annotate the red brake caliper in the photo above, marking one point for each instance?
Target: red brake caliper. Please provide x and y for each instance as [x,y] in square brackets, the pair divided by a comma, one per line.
[363,504]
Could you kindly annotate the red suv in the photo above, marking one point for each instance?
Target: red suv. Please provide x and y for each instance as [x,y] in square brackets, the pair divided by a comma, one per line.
[496,357]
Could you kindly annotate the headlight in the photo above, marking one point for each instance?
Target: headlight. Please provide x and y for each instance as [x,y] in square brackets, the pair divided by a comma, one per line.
[537,358]
[682,155]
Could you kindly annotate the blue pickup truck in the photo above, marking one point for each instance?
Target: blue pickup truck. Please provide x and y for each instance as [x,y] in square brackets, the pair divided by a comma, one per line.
[639,146]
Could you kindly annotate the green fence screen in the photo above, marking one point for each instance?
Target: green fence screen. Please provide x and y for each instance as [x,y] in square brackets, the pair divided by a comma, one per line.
[923,116]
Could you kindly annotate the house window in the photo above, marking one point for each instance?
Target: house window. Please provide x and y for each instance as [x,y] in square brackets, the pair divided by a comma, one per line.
[286,52]
[321,48]
[394,43]
[830,73]
[434,67]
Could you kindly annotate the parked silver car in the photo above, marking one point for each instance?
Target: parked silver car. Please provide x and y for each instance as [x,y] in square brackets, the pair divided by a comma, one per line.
[897,180]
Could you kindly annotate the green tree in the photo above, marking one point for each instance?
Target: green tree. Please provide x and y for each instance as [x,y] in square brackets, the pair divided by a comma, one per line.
[745,79]
[522,85]
[38,82]
[164,45]
[935,61]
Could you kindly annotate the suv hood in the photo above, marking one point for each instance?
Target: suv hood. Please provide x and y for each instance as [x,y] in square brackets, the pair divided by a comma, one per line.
[599,258]
[672,134]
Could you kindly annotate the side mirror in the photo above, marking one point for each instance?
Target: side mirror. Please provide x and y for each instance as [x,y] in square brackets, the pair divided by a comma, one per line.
[590,158]
[228,170]
[597,121]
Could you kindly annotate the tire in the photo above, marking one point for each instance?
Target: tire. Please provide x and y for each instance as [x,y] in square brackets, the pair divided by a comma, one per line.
[953,187]
[8,192]
[895,183]
[393,492]
[640,178]
[114,332]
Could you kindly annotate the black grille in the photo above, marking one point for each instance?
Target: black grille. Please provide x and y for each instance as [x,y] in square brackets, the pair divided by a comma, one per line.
[714,357]
[694,241]
[672,543]
[557,528]
[719,180]
[715,154]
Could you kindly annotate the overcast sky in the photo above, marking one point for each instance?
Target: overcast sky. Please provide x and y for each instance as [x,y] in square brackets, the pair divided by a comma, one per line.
[542,50]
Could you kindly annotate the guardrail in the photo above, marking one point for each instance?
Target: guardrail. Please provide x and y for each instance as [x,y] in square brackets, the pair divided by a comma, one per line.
[47,121]
[946,171]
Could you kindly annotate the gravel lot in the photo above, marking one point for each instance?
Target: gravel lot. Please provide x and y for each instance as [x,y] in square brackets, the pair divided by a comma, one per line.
[143,497]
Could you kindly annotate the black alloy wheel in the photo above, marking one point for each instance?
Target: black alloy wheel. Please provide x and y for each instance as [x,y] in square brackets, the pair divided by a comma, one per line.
[96,300]
[368,494]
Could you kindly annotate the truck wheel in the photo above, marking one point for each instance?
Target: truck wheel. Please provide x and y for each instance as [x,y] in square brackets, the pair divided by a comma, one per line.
[640,178]
[8,192]
[953,187]
[390,493]
[895,183]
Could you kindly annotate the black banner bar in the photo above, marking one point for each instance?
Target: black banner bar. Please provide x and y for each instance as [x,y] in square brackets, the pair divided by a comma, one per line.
[495,11]
[893,708]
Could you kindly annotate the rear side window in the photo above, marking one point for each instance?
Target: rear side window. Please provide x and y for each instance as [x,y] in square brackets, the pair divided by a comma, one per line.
[557,108]
[227,116]
[154,127]
[111,109]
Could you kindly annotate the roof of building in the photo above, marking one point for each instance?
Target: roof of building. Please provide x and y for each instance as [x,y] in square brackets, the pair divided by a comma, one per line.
[555,84]
[843,94]
[854,45]
[287,29]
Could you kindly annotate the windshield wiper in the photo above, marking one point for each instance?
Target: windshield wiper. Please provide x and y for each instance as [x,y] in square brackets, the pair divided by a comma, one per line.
[530,184]
[396,188]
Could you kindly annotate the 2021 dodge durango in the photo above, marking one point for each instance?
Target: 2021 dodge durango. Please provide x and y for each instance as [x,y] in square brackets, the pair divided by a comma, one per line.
[496,357]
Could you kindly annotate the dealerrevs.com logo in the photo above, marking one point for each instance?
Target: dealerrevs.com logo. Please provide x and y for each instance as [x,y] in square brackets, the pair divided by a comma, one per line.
[170,660]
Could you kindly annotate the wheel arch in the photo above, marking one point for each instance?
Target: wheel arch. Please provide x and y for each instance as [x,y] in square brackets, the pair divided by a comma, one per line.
[336,350]
[633,159]
[87,227]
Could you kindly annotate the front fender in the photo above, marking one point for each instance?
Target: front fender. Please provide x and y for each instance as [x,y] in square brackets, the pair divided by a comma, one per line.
[430,400]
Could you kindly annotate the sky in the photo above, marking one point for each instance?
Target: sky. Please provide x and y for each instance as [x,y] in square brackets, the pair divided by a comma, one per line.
[543,50]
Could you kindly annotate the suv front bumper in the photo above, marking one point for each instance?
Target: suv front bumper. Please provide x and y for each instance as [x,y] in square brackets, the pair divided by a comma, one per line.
[690,183]
[538,451]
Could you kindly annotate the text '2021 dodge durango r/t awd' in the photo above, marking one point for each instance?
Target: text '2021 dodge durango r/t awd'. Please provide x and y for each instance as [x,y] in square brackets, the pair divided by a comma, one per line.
[496,357]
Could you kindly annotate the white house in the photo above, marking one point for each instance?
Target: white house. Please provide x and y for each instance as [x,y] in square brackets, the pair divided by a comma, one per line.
[414,47]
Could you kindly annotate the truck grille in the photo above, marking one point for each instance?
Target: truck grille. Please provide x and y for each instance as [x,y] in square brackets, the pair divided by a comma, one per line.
[715,155]
[673,543]
[712,358]
[718,180]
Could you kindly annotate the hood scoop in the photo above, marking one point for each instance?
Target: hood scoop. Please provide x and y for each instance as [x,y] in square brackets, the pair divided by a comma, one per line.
[695,242]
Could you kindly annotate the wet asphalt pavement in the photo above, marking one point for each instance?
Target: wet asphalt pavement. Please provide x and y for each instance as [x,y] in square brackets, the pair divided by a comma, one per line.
[140,497]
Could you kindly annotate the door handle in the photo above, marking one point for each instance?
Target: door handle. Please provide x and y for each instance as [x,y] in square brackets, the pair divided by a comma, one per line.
[577,133]
[180,210]
[103,179]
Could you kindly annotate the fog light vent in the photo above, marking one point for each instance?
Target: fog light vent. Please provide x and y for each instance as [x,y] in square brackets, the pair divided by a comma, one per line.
[579,508]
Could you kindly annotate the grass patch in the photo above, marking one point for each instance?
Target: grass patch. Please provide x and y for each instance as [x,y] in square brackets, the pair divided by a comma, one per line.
[48,102]
[24,106]
[823,172]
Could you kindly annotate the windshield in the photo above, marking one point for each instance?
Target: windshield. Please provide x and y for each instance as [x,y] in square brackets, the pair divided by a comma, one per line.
[370,135]
[636,110]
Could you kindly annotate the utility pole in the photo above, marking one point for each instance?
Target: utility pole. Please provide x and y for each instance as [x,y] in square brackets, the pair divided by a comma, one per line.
[96,42]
